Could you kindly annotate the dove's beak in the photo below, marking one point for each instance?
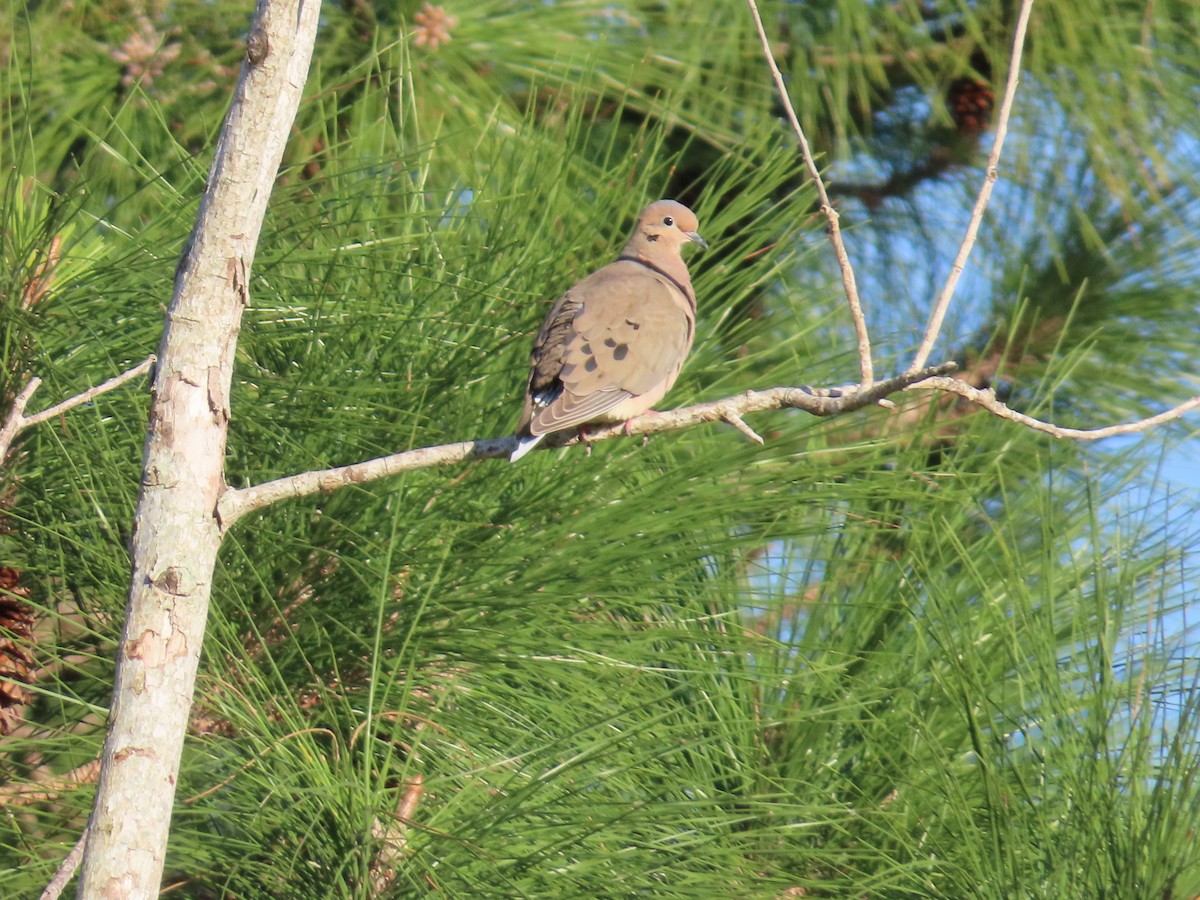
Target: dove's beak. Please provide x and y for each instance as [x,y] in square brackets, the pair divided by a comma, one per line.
[694,237]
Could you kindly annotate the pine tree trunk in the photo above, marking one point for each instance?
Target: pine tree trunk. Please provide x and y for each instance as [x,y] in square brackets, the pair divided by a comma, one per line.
[177,535]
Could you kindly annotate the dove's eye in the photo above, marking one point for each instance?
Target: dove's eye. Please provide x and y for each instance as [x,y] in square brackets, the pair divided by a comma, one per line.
[668,221]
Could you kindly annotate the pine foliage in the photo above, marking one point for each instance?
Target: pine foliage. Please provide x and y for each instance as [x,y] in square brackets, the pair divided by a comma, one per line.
[922,653]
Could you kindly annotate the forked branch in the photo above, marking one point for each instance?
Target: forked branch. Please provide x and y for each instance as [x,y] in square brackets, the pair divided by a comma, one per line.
[17,421]
[942,304]
[986,399]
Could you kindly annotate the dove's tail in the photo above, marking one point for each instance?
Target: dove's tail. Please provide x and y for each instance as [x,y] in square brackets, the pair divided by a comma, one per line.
[524,445]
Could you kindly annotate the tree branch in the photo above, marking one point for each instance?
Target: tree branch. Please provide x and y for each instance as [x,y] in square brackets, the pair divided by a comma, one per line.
[16,418]
[17,421]
[831,215]
[175,540]
[66,870]
[825,402]
[942,304]
[986,398]
[92,393]
[237,502]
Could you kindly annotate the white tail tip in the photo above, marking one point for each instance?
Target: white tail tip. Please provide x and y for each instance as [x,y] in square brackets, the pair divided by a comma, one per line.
[526,444]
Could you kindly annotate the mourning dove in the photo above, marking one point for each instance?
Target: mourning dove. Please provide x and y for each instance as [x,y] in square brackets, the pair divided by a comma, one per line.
[613,344]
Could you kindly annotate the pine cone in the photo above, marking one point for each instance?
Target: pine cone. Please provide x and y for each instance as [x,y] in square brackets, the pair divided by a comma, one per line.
[970,102]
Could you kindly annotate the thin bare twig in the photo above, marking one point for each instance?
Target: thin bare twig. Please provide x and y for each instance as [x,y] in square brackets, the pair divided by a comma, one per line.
[92,393]
[237,502]
[985,192]
[48,790]
[66,871]
[986,398]
[16,417]
[733,418]
[831,215]
[17,421]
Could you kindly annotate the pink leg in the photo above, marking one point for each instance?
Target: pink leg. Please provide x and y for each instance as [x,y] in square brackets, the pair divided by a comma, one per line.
[583,436]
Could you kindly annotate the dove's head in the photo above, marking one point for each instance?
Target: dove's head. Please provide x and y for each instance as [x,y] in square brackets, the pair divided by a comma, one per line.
[666,225]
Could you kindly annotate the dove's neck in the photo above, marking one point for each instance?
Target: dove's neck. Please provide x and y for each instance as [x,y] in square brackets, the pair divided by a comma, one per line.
[669,264]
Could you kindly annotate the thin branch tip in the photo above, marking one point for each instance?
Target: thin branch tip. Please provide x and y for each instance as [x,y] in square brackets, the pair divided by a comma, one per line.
[731,416]
[834,231]
[941,305]
[66,870]
[985,398]
[17,421]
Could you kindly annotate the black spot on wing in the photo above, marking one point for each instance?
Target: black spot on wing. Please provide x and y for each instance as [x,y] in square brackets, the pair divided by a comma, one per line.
[619,351]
